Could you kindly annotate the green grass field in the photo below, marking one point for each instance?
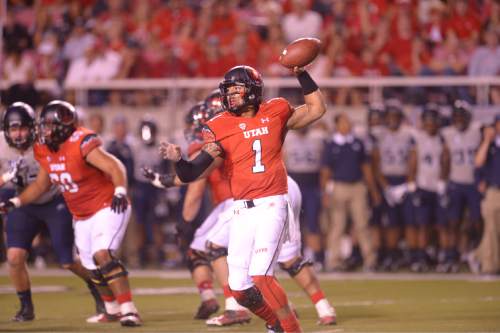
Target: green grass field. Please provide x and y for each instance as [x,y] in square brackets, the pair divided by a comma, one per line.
[429,304]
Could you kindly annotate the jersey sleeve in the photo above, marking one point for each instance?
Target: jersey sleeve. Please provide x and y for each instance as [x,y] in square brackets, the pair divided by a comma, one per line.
[89,143]
[285,110]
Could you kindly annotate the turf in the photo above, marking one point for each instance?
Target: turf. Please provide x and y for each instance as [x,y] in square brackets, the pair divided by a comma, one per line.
[430,305]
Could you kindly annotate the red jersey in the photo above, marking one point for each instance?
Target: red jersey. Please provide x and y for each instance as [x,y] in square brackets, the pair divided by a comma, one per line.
[252,149]
[85,188]
[217,180]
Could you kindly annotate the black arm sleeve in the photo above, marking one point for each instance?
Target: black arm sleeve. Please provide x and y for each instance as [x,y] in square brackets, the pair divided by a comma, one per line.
[189,171]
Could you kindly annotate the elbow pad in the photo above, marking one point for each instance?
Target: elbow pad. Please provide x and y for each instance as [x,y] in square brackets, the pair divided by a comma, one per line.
[188,171]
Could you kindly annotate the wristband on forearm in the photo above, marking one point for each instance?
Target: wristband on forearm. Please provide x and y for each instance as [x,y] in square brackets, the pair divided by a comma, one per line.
[307,83]
[188,171]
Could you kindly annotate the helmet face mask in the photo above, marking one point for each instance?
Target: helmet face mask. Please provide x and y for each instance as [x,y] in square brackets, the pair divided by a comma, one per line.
[19,126]
[241,88]
[57,123]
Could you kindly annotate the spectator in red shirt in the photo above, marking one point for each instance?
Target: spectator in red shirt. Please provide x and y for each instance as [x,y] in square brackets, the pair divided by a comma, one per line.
[345,64]
[434,31]
[371,66]
[399,48]
[464,21]
[167,21]
[218,20]
[270,52]
[212,62]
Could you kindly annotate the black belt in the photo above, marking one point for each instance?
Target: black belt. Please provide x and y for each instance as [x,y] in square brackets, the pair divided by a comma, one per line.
[248,204]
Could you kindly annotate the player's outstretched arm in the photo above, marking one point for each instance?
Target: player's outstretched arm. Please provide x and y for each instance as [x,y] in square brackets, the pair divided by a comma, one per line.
[315,106]
[188,171]
[193,199]
[30,193]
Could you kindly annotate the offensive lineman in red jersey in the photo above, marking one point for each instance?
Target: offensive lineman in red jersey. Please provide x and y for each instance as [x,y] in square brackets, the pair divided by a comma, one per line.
[93,185]
[248,138]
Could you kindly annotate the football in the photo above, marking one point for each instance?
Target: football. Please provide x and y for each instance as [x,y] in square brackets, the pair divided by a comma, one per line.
[300,52]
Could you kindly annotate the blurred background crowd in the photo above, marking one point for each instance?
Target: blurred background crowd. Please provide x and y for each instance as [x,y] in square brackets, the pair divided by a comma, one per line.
[73,42]
[95,40]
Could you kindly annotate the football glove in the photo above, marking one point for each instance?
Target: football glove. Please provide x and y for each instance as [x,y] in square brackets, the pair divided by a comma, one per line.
[119,203]
[12,173]
[9,205]
[157,179]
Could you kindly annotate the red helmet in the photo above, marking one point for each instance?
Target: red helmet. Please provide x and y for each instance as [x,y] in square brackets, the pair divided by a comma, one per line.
[213,103]
[247,77]
[195,119]
[58,120]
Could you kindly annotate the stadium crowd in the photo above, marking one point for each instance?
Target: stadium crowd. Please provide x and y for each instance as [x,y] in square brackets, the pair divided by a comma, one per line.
[89,40]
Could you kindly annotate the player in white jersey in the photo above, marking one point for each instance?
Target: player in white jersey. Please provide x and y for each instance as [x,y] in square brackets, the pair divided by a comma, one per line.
[429,161]
[18,165]
[390,161]
[462,138]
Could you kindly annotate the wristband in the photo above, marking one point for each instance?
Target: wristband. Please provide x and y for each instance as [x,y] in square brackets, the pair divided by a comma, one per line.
[307,83]
[120,190]
[16,201]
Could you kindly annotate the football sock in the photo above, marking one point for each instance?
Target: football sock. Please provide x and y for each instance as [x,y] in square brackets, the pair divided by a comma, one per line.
[206,290]
[317,296]
[230,301]
[111,305]
[260,309]
[276,297]
[126,304]
[25,298]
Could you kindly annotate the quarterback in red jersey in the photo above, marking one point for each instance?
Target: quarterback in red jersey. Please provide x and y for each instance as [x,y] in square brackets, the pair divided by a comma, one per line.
[92,183]
[248,137]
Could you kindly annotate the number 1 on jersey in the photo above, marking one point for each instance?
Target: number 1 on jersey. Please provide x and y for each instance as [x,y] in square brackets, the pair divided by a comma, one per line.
[257,148]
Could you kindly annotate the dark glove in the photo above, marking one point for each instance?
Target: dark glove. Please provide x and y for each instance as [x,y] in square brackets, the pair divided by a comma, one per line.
[119,203]
[7,206]
[158,180]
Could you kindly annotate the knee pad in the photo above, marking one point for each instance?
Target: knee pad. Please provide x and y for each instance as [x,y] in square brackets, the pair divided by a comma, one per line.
[112,270]
[195,259]
[97,278]
[250,298]
[215,252]
[296,266]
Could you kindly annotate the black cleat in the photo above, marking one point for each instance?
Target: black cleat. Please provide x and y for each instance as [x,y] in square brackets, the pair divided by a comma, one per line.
[276,328]
[206,309]
[26,313]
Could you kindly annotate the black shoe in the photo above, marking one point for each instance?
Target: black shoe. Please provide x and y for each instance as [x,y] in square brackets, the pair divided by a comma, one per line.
[26,313]
[206,309]
[276,328]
